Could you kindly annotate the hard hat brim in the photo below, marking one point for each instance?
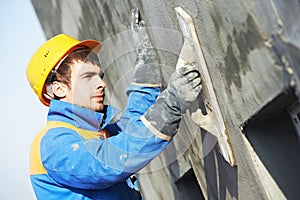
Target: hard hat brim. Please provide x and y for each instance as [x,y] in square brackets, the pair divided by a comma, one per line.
[94,45]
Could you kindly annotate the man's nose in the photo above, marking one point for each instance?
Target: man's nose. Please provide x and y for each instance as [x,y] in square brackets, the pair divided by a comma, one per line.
[101,83]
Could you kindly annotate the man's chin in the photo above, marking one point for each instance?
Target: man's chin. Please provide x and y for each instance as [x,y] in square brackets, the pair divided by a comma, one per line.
[99,107]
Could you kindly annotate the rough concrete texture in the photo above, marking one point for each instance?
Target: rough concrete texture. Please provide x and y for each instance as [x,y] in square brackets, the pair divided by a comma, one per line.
[252,51]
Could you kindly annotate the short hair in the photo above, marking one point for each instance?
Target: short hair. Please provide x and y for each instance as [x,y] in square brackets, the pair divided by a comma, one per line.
[62,72]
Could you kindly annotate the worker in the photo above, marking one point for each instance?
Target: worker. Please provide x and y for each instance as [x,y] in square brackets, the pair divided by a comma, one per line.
[82,153]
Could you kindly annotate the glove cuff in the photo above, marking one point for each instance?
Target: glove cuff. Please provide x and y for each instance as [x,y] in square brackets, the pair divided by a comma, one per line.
[147,74]
[164,116]
[154,130]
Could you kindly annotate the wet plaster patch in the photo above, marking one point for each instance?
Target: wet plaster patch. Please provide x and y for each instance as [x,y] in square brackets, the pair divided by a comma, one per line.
[240,44]
[237,40]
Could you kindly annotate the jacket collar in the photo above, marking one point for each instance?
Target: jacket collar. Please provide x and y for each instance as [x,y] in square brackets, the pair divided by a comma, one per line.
[80,117]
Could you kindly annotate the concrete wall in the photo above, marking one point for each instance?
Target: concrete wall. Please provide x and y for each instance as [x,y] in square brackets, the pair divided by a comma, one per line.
[251,49]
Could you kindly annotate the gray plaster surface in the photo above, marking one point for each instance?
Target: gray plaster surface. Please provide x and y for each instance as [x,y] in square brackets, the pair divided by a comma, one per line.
[252,51]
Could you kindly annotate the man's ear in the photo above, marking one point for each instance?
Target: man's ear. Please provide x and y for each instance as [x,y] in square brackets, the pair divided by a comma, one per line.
[59,89]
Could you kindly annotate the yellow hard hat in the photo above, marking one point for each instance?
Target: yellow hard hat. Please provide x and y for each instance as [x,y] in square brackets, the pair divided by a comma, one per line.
[48,56]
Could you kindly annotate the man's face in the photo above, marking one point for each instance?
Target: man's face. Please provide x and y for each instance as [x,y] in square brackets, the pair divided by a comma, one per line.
[87,86]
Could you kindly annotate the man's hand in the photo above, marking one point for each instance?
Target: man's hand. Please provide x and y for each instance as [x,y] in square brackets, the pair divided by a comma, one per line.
[144,49]
[147,70]
[185,85]
[184,88]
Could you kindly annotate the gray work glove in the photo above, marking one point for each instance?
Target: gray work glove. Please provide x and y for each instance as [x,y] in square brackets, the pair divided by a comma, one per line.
[183,89]
[147,69]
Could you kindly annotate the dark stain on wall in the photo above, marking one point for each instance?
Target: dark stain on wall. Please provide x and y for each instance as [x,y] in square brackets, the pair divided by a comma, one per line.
[107,13]
[247,41]
[240,44]
[51,17]
[216,17]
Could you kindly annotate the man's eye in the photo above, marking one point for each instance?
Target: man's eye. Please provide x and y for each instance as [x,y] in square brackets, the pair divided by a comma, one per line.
[87,76]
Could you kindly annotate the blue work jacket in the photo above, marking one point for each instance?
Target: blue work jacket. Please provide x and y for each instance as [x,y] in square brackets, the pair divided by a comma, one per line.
[71,159]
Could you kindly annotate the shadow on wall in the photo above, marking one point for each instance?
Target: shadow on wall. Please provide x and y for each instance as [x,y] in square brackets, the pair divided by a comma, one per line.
[221,179]
[189,187]
[220,176]
[216,179]
[275,141]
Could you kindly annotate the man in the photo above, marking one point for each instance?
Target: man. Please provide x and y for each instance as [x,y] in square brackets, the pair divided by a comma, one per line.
[80,154]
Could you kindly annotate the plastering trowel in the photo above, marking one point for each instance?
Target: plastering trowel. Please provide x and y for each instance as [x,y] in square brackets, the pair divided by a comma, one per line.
[213,121]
